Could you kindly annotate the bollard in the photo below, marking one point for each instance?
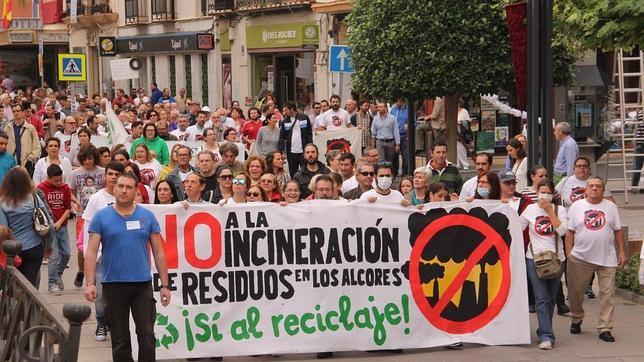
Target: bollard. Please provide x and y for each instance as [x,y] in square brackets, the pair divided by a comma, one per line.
[76,314]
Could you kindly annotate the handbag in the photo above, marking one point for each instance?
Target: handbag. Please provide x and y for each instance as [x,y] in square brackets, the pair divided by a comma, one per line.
[42,224]
[547,263]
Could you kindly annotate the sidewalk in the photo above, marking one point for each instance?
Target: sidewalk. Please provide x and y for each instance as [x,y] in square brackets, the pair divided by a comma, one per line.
[629,324]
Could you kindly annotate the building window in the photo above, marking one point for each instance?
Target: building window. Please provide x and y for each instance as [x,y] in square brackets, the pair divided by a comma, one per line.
[135,11]
[162,10]
[154,69]
[204,79]
[173,76]
[187,65]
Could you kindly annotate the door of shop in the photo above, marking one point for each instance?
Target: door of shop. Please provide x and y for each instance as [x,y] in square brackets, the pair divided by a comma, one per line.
[285,82]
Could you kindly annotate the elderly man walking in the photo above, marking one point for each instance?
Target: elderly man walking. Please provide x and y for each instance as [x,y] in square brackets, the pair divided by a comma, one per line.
[567,154]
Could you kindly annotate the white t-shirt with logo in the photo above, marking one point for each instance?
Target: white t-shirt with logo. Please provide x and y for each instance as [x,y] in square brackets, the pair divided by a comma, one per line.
[594,226]
[393,196]
[572,189]
[149,171]
[542,233]
[181,135]
[335,119]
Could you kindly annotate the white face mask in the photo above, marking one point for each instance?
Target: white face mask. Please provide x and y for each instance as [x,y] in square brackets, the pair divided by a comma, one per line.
[384,183]
[547,197]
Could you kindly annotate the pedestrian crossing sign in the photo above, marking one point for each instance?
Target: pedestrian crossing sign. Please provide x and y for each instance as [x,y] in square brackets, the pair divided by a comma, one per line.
[72,67]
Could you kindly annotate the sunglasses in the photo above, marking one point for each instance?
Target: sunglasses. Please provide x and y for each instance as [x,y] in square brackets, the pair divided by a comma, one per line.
[226,177]
[367,173]
[253,194]
[239,182]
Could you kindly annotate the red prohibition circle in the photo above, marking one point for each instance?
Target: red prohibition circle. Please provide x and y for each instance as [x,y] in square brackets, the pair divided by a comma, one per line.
[492,239]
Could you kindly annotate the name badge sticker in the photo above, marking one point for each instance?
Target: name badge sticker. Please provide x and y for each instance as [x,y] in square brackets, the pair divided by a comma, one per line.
[133,225]
[303,124]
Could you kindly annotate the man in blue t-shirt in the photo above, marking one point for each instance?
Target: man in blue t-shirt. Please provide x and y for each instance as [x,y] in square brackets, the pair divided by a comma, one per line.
[125,230]
[7,161]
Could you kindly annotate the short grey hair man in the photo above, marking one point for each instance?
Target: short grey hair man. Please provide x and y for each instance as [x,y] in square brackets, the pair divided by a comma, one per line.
[564,127]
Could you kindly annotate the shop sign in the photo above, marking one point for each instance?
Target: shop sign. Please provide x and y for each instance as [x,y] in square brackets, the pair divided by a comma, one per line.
[21,37]
[54,37]
[292,35]
[107,46]
[178,42]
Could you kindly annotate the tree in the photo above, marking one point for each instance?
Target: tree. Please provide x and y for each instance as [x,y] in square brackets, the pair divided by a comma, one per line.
[421,48]
[604,24]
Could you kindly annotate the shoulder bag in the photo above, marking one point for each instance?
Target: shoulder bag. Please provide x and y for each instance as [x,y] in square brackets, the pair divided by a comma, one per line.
[547,263]
[42,224]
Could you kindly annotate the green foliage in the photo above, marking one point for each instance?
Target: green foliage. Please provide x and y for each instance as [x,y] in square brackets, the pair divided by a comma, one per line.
[627,277]
[424,48]
[604,24]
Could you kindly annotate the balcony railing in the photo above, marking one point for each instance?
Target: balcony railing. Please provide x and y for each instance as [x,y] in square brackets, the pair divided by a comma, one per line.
[88,7]
[30,328]
[226,6]
[162,10]
[26,23]
[135,12]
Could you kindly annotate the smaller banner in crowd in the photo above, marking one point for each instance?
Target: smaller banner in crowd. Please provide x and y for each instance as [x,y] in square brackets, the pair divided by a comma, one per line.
[323,275]
[343,140]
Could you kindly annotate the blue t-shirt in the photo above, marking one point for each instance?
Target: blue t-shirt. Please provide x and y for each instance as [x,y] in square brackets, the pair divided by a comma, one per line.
[125,243]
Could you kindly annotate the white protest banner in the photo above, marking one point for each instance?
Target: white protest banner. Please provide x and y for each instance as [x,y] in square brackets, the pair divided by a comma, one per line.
[322,275]
[343,140]
[121,69]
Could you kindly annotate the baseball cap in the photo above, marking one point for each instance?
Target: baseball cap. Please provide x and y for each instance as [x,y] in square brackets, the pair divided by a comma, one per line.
[205,109]
[507,176]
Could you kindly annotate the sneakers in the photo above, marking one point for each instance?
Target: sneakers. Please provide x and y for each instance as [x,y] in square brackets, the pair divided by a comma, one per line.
[101,333]
[78,281]
[589,293]
[545,345]
[54,289]
[606,336]
[60,283]
[575,328]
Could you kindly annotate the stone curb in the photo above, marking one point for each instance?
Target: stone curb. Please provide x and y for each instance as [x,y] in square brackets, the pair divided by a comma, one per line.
[629,295]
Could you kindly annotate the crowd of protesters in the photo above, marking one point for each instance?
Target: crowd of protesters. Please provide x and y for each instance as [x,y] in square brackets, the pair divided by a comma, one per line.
[266,154]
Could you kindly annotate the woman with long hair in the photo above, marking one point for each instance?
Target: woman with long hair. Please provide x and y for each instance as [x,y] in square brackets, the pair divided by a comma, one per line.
[488,187]
[52,147]
[224,188]
[267,137]
[144,193]
[534,217]
[537,173]
[518,162]
[149,167]
[18,201]
[165,193]
[275,165]
[172,164]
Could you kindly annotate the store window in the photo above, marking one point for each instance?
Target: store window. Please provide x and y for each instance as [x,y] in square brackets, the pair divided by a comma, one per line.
[204,79]
[288,76]
[173,75]
[187,66]
[153,61]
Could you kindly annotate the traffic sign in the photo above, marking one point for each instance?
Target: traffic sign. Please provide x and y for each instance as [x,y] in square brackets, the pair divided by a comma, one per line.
[340,59]
[72,67]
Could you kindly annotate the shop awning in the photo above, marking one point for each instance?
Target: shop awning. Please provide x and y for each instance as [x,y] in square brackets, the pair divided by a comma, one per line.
[332,7]
[588,76]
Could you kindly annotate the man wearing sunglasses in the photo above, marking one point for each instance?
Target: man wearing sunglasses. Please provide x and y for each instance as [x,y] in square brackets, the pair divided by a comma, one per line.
[364,175]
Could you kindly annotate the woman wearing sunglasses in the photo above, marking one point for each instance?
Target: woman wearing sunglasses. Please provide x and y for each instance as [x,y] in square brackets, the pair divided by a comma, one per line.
[256,194]
[240,186]
[224,188]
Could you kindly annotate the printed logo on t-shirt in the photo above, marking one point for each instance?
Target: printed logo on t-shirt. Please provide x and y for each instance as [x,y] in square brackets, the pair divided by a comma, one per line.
[68,146]
[337,121]
[577,193]
[594,220]
[147,176]
[543,226]
[199,137]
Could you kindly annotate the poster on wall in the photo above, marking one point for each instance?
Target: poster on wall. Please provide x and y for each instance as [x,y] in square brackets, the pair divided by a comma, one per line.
[488,120]
[501,135]
[485,141]
[227,85]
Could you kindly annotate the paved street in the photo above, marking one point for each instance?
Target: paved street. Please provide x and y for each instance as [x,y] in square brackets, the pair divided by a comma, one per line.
[629,323]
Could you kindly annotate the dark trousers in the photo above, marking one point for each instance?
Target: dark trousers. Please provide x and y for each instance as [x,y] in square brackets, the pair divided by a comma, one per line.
[404,153]
[120,298]
[294,162]
[31,262]
[637,165]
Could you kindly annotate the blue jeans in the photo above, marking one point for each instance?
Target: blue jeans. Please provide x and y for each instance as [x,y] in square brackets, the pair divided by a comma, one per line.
[99,304]
[60,255]
[545,298]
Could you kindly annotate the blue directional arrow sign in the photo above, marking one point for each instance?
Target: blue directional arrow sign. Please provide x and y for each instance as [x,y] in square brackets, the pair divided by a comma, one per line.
[340,59]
